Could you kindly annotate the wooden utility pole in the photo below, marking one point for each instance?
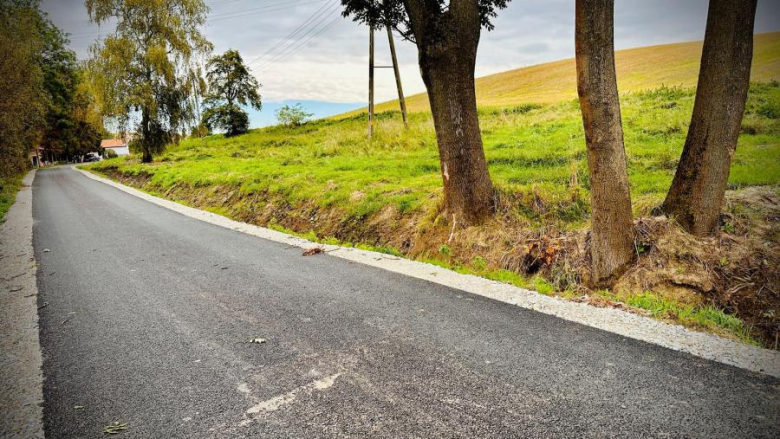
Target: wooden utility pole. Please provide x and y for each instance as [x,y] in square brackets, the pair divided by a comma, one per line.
[397,72]
[371,82]
[401,99]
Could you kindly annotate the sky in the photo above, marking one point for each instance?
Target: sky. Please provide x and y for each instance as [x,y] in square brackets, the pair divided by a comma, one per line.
[324,65]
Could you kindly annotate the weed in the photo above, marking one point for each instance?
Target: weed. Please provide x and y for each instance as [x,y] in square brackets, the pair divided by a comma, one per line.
[479,263]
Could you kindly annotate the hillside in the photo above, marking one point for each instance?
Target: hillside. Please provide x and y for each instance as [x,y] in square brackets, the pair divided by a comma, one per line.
[327,181]
[638,69]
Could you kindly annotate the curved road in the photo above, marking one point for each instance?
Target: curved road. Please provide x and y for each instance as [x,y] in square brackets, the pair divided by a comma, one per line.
[146,317]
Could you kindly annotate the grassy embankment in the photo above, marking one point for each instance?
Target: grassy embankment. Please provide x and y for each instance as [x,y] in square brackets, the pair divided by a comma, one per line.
[326,181]
[9,186]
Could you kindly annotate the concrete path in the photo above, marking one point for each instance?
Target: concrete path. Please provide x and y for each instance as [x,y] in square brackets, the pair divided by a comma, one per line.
[149,315]
[21,396]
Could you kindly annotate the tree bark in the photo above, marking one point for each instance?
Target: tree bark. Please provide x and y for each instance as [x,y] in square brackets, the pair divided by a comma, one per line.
[696,195]
[447,55]
[612,228]
[147,153]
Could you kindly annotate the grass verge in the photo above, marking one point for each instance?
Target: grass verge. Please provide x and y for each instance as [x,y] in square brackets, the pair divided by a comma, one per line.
[9,187]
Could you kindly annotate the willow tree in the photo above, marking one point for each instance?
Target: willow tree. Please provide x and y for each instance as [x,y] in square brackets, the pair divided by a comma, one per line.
[145,71]
[612,228]
[447,35]
[699,185]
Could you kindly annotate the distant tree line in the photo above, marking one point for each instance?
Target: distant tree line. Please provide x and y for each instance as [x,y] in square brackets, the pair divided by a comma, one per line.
[44,99]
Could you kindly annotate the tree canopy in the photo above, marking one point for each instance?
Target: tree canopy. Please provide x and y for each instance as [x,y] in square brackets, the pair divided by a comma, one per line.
[395,13]
[72,125]
[44,100]
[149,66]
[22,96]
[230,86]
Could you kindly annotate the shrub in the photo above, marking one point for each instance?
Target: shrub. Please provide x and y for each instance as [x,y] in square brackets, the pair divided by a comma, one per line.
[109,154]
[292,115]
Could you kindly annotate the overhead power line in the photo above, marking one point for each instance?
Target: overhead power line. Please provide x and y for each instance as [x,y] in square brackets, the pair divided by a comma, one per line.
[235,14]
[260,10]
[290,35]
[208,4]
[304,43]
[312,33]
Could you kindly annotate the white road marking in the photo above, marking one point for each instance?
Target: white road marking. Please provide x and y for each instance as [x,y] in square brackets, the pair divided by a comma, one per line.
[276,402]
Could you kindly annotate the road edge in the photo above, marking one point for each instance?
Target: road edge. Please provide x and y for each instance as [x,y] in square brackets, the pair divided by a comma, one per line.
[675,337]
[21,383]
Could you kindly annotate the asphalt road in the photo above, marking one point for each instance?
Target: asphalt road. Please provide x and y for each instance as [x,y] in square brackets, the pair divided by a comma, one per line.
[146,315]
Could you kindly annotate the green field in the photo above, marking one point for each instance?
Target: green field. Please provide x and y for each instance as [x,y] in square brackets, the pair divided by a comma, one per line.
[536,154]
[638,69]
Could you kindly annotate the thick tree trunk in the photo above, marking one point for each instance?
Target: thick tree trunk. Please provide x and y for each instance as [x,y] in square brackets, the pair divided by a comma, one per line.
[447,61]
[612,228]
[696,195]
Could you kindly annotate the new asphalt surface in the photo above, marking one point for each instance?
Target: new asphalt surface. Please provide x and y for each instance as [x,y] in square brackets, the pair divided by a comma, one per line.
[146,318]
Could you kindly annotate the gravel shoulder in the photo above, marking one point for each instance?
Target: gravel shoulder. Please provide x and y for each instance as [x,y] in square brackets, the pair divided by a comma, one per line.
[21,395]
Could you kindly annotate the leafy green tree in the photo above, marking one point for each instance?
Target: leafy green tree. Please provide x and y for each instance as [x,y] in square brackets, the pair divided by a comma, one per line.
[71,127]
[292,115]
[60,80]
[230,86]
[22,95]
[149,66]
[43,97]
[447,35]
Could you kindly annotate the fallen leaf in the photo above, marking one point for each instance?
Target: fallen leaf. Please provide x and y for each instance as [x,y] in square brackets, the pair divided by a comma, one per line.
[115,428]
[257,340]
[78,407]
[46,250]
[312,251]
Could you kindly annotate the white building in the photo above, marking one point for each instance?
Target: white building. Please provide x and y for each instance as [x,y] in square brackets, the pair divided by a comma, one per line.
[119,146]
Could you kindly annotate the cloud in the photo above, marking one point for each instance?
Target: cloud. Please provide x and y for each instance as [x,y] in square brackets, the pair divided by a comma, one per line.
[328,59]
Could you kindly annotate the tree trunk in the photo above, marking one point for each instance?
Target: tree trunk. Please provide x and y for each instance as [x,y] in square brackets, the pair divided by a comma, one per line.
[612,228]
[696,195]
[447,60]
[146,156]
